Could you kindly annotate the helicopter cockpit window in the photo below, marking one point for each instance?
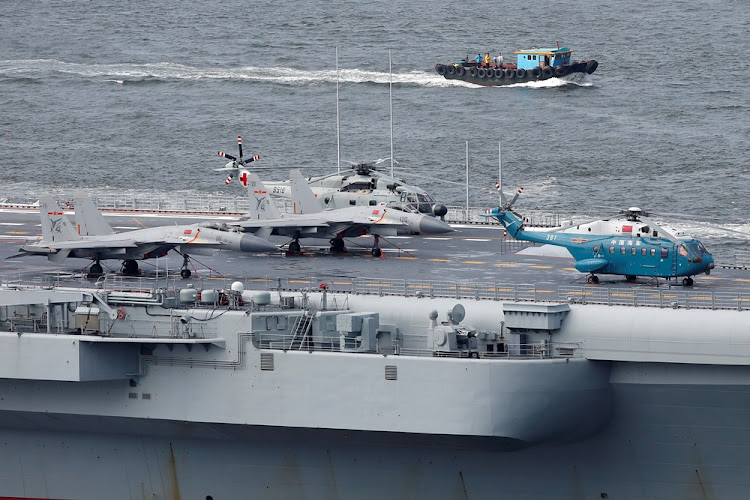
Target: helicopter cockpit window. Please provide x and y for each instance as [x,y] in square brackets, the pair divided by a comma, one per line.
[683,251]
[697,248]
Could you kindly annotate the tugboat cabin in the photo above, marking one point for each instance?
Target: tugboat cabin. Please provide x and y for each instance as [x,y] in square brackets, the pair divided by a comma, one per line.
[531,58]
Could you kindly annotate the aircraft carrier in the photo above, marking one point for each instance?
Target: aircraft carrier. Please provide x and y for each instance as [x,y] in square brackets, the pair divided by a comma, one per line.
[453,367]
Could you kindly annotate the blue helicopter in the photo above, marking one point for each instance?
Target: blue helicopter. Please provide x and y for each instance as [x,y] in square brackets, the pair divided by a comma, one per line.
[635,251]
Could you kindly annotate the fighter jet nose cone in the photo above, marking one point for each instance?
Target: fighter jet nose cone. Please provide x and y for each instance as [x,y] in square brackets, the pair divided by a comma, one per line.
[432,225]
[251,243]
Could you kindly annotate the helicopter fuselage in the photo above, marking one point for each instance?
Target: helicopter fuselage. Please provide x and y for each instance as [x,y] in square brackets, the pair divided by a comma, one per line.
[335,192]
[631,255]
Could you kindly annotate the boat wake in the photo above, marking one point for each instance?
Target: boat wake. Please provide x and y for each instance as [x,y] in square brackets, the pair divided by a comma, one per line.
[131,73]
[125,73]
[581,80]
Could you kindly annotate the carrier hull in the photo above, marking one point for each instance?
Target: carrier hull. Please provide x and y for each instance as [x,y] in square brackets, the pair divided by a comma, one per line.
[665,440]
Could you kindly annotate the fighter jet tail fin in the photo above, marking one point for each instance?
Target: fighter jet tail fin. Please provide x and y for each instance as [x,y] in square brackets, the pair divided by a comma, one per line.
[89,220]
[303,197]
[261,203]
[55,225]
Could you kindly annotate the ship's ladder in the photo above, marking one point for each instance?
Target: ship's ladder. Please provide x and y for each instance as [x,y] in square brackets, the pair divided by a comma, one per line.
[301,332]
[675,249]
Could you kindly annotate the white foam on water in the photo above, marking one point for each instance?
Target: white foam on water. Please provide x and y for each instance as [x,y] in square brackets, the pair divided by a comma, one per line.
[121,72]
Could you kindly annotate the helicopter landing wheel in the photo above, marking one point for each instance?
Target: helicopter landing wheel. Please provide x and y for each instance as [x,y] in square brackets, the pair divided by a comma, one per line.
[96,269]
[687,281]
[295,247]
[630,277]
[593,279]
[376,252]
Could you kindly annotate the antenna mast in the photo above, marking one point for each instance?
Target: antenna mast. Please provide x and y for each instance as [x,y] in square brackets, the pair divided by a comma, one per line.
[500,172]
[390,99]
[338,132]
[467,180]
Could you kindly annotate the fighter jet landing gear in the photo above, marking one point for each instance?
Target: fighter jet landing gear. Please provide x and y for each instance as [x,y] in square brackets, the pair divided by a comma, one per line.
[96,269]
[185,272]
[376,251]
[594,280]
[294,248]
[337,245]
[687,281]
[130,268]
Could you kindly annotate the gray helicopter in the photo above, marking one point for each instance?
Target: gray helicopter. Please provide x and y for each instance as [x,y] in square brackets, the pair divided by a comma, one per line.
[360,185]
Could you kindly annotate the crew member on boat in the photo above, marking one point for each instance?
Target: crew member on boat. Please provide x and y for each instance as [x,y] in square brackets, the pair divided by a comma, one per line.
[499,60]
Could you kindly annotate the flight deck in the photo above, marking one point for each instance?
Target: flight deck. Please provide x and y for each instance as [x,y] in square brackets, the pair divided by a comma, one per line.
[474,260]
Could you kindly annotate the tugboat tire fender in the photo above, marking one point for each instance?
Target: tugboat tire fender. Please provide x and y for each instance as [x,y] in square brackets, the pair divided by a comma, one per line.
[535,72]
[451,70]
[441,69]
[591,66]
[520,73]
[481,72]
[460,70]
[510,74]
[560,71]
[499,73]
[473,71]
[547,72]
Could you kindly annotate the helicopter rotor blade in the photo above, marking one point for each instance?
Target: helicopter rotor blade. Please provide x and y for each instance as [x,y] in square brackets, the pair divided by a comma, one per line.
[513,200]
[228,157]
[239,145]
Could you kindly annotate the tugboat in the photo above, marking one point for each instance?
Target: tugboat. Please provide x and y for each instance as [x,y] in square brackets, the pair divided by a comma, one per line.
[531,65]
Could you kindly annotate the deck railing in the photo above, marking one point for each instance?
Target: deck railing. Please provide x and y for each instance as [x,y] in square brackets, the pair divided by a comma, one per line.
[664,297]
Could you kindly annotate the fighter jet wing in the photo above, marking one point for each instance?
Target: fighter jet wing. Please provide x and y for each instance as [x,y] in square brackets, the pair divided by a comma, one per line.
[75,244]
[283,222]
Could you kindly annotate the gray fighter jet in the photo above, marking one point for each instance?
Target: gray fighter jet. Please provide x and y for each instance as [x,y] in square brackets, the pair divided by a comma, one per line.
[93,238]
[311,221]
